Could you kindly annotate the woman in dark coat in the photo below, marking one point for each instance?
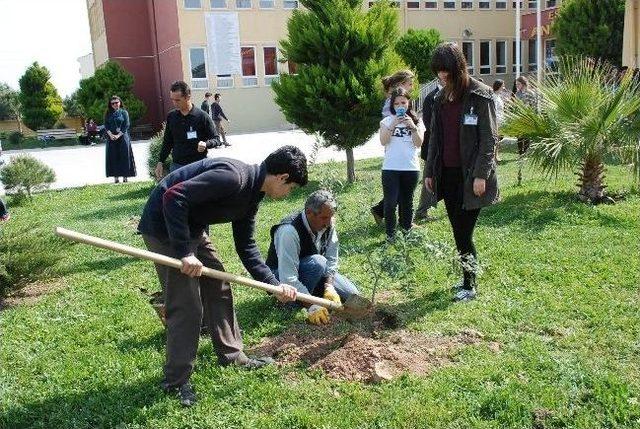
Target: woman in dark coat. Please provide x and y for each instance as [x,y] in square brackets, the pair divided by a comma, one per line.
[120,162]
[461,168]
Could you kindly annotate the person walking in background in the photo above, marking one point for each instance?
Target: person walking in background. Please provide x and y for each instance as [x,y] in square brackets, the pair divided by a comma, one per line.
[120,162]
[525,95]
[498,90]
[404,79]
[401,135]
[218,114]
[206,103]
[461,166]
[427,198]
[188,134]
[4,213]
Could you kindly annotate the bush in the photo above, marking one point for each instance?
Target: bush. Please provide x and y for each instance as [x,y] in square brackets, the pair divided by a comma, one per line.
[28,254]
[25,174]
[15,138]
[40,103]
[60,126]
[416,48]
[154,153]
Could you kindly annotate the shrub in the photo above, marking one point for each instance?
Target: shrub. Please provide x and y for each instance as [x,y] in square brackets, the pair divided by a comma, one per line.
[154,153]
[416,48]
[40,103]
[28,254]
[60,126]
[15,138]
[25,174]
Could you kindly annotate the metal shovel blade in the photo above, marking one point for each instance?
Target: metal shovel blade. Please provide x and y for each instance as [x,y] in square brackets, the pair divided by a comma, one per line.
[356,307]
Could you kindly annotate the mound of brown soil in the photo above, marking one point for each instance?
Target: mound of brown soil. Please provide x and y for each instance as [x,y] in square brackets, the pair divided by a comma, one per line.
[346,352]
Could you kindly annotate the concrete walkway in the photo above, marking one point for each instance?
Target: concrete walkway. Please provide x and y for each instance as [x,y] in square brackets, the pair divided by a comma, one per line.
[85,165]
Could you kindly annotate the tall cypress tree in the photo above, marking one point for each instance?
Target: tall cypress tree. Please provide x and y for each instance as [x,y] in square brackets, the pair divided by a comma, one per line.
[341,53]
[591,28]
[40,102]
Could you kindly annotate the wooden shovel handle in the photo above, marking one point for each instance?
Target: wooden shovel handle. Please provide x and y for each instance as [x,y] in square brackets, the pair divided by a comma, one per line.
[176,263]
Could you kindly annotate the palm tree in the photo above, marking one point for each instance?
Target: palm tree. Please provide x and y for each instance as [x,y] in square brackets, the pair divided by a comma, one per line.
[586,115]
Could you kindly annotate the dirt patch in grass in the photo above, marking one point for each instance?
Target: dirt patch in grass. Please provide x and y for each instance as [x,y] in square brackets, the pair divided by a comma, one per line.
[31,293]
[349,352]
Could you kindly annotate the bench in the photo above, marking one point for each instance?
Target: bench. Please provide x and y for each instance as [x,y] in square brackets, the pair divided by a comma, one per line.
[142,131]
[56,134]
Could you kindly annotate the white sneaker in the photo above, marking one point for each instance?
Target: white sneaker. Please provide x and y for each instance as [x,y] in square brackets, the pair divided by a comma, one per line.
[456,287]
[464,295]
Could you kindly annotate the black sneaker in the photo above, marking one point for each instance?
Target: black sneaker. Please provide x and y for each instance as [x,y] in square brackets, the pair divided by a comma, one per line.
[185,393]
[379,219]
[251,363]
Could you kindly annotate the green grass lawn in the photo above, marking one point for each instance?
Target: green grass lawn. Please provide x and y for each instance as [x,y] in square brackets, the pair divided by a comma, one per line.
[559,292]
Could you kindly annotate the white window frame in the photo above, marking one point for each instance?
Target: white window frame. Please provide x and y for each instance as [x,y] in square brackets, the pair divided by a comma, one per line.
[199,82]
[488,3]
[501,2]
[513,5]
[268,78]
[470,2]
[249,81]
[184,5]
[455,5]
[290,3]
[506,51]
[555,3]
[490,65]
[431,8]
[273,5]
[513,55]
[224,81]
[532,2]
[413,1]
[532,66]
[244,8]
[470,67]
[226,5]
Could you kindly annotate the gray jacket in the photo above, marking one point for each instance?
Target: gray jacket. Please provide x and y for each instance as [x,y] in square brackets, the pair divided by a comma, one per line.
[477,145]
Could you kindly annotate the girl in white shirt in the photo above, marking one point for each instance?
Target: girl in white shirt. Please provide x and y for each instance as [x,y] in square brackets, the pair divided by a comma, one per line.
[401,135]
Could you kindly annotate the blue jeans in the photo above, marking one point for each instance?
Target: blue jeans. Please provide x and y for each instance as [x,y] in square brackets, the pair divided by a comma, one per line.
[310,273]
[174,166]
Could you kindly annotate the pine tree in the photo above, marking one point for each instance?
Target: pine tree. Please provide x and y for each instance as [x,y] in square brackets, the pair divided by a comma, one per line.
[416,47]
[341,53]
[590,28]
[108,80]
[40,103]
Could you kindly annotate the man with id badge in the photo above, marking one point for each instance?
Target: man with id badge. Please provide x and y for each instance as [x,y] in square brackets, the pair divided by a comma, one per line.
[189,132]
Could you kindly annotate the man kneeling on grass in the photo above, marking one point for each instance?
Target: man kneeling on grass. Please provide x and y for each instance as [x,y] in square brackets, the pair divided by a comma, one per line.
[174,221]
[304,254]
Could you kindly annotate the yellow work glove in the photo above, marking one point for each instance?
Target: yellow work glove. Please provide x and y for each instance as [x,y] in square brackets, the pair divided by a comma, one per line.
[331,294]
[317,315]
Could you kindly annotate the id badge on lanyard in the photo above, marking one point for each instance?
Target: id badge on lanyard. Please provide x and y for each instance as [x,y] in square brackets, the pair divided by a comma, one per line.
[470,118]
[191,134]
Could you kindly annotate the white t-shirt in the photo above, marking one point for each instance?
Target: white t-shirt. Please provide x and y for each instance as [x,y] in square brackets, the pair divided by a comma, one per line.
[400,154]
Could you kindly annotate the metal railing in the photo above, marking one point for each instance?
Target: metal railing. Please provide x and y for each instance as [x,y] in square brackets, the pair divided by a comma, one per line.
[425,89]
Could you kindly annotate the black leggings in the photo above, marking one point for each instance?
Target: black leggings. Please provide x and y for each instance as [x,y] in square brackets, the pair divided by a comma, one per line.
[462,221]
[397,188]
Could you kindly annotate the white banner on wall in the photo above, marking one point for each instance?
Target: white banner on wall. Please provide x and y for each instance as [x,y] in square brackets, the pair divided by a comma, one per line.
[223,42]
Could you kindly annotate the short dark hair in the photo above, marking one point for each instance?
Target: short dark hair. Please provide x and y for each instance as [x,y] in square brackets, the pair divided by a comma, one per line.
[216,96]
[523,80]
[497,84]
[180,85]
[207,94]
[288,160]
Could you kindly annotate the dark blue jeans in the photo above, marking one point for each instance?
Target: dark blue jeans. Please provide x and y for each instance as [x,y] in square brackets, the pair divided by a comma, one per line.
[398,187]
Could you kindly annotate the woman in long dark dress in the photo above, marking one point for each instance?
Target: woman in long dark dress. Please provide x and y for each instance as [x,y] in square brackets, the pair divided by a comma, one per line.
[120,162]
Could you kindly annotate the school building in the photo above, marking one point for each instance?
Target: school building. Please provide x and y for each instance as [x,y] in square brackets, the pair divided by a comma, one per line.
[631,41]
[231,46]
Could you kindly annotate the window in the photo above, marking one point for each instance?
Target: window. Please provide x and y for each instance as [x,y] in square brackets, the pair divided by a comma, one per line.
[290,4]
[449,5]
[413,5]
[218,4]
[533,63]
[431,5]
[466,4]
[501,56]
[192,4]
[533,4]
[550,59]
[501,4]
[551,3]
[197,63]
[467,49]
[514,53]
[243,4]
[514,4]
[485,57]
[484,5]
[248,54]
[224,81]
[267,4]
[270,64]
